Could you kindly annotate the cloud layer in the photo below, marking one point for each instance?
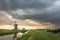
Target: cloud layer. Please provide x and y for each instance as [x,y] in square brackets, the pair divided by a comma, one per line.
[44,10]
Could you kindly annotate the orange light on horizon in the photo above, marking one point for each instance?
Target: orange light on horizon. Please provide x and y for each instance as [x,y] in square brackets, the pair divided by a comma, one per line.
[27,27]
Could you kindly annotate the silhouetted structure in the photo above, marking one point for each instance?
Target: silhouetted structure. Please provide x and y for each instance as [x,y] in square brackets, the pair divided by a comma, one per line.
[15,28]
[15,25]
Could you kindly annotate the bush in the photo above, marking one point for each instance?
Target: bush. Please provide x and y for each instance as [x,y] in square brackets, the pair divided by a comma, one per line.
[23,30]
[54,31]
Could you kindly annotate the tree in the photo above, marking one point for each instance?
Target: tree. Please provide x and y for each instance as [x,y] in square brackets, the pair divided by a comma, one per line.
[23,30]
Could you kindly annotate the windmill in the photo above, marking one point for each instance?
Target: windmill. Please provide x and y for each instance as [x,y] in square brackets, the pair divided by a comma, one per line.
[15,28]
[15,25]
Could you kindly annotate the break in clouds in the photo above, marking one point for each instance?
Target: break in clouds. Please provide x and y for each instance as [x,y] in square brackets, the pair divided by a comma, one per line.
[40,10]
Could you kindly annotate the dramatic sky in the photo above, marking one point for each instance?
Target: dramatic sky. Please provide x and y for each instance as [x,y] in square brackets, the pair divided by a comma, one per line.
[39,10]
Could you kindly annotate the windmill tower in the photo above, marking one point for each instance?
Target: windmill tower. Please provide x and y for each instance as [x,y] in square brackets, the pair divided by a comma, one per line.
[15,25]
[15,28]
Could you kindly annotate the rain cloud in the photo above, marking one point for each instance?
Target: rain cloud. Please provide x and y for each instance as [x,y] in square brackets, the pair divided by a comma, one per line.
[44,10]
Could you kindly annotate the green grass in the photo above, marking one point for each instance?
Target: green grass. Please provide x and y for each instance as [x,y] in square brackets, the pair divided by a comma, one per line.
[25,36]
[39,35]
[7,32]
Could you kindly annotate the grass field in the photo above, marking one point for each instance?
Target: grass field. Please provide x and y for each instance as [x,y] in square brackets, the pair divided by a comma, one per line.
[40,35]
[7,32]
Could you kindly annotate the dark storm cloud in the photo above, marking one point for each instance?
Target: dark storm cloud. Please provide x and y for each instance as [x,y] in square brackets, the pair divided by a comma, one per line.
[23,4]
[45,10]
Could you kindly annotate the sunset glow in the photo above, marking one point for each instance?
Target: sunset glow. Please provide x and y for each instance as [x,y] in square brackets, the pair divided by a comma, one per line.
[43,26]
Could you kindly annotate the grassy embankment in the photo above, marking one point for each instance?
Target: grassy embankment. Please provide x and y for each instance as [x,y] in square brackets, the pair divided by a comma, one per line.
[40,35]
[7,32]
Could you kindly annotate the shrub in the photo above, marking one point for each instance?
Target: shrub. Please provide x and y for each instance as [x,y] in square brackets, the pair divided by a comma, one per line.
[23,30]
